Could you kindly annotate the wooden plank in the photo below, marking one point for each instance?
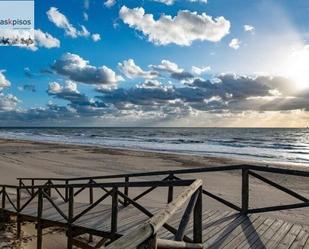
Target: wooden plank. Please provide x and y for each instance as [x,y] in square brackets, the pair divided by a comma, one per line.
[306,246]
[218,224]
[235,232]
[300,240]
[289,238]
[279,235]
[256,234]
[246,233]
[219,237]
[262,240]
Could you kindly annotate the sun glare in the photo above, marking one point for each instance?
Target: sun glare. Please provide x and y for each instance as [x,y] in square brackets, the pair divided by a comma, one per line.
[297,67]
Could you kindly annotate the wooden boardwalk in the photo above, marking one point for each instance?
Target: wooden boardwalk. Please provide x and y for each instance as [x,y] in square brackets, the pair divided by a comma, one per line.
[221,229]
[115,212]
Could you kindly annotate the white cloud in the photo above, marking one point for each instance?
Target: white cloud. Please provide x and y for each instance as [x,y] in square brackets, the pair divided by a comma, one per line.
[109,3]
[96,37]
[8,102]
[4,83]
[249,28]
[61,21]
[78,69]
[167,2]
[167,66]
[131,70]
[69,87]
[84,32]
[198,1]
[200,70]
[235,43]
[182,29]
[171,2]
[45,40]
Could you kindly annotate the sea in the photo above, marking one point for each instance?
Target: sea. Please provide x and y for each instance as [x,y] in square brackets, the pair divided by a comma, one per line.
[267,145]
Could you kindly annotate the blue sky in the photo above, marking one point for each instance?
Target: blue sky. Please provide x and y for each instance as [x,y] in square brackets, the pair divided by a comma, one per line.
[160,63]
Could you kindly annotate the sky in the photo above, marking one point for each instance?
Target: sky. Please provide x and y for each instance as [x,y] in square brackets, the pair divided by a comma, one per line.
[195,63]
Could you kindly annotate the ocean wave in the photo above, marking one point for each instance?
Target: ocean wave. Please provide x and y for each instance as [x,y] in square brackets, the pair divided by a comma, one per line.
[273,145]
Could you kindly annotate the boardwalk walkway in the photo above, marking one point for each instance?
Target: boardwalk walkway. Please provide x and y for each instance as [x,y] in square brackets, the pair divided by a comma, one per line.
[117,215]
[220,229]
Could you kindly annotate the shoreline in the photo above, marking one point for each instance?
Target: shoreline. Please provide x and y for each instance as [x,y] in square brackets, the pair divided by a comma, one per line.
[223,159]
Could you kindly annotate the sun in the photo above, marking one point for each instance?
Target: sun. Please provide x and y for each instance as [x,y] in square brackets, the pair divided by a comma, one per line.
[297,67]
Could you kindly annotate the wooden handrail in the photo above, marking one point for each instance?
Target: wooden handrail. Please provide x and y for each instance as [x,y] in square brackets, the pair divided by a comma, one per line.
[151,227]
[184,171]
[135,184]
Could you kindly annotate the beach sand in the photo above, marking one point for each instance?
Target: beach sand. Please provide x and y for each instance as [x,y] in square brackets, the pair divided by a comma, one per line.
[33,159]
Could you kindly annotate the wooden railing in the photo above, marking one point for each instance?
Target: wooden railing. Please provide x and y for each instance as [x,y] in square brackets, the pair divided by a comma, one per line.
[24,195]
[145,235]
[246,172]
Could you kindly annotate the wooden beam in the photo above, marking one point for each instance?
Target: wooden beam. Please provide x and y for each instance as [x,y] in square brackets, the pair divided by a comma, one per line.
[198,218]
[220,199]
[39,213]
[151,227]
[170,195]
[245,191]
[3,197]
[92,206]
[170,244]
[114,218]
[276,185]
[18,218]
[70,218]
[278,208]
[126,190]
[148,213]
[186,218]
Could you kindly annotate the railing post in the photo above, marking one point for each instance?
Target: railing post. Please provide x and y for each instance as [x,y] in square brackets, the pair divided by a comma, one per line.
[39,222]
[170,195]
[114,210]
[198,217]
[90,239]
[3,197]
[70,218]
[32,189]
[66,191]
[18,221]
[245,190]
[126,191]
[90,192]
[49,189]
